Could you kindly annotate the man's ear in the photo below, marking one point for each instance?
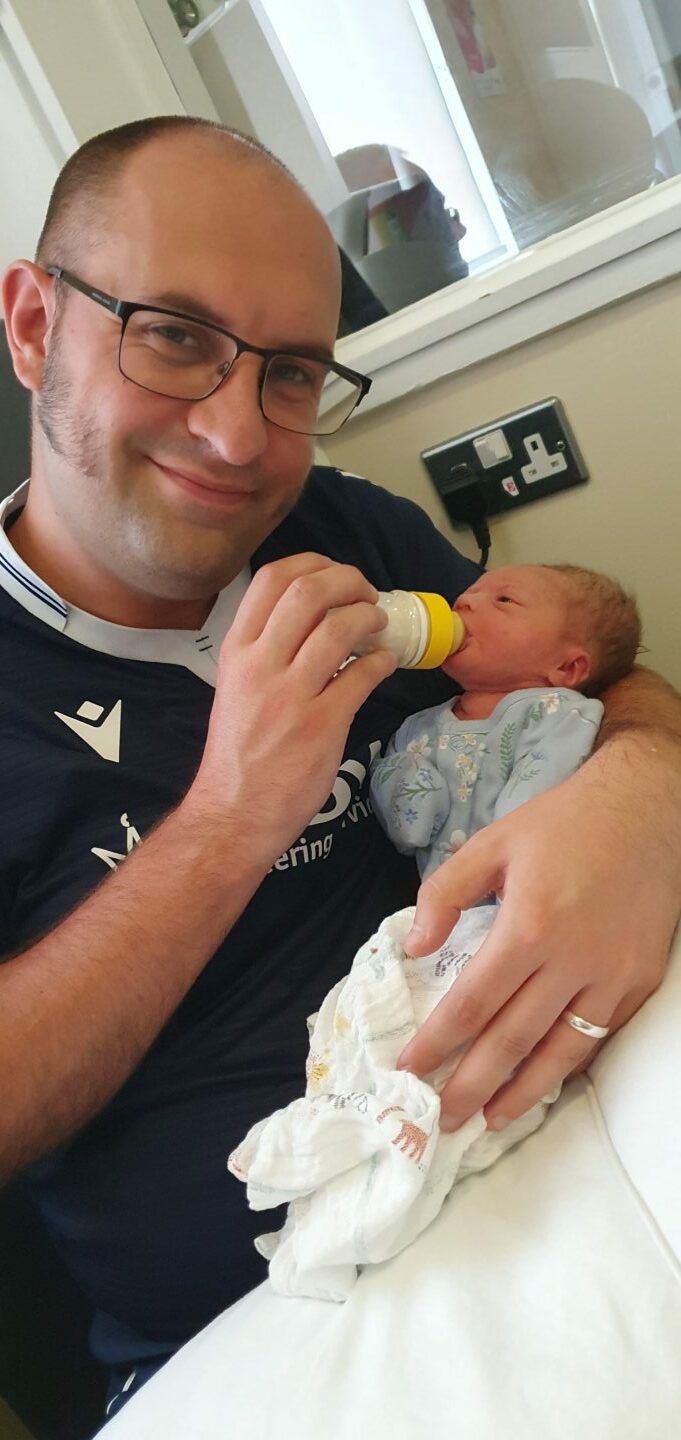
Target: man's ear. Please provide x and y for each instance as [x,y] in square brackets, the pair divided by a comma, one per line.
[573,671]
[28,306]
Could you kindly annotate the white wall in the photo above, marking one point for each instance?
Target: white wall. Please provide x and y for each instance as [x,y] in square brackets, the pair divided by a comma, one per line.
[91,62]
[67,70]
[29,163]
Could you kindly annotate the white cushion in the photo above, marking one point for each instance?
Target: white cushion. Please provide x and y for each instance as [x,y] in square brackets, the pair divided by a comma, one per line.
[543,1304]
[637,1080]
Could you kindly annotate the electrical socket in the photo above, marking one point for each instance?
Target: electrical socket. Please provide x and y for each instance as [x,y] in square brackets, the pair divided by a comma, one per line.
[542,465]
[519,458]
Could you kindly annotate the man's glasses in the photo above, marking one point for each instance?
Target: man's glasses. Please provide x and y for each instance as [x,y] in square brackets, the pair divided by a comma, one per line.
[187,359]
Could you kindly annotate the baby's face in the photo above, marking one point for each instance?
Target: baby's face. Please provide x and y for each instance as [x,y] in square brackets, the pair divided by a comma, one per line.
[516,621]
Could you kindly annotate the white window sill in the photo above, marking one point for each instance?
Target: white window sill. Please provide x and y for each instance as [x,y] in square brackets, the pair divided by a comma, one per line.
[625,249]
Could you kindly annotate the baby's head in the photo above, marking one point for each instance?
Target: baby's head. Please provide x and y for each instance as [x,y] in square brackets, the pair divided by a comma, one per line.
[545,625]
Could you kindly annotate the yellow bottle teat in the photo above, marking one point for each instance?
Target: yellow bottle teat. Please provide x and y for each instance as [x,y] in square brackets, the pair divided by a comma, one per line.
[447,631]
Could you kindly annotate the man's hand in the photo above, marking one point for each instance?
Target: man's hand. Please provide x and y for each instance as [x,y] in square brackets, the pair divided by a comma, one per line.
[283,706]
[591,888]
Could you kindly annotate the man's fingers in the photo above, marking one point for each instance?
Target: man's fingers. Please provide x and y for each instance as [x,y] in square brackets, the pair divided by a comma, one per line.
[561,1052]
[323,597]
[333,639]
[266,589]
[498,970]
[352,686]
[627,1006]
[501,1050]
[475,871]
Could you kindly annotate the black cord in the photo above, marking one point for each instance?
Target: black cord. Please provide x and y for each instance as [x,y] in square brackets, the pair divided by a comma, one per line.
[466,504]
[483,540]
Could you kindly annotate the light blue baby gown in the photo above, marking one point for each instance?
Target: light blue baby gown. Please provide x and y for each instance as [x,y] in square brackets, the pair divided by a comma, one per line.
[442,779]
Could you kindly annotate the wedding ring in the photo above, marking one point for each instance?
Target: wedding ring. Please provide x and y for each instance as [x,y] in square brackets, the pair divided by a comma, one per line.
[595,1032]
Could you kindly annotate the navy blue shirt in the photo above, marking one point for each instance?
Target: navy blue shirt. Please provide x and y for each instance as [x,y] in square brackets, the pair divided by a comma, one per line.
[140,1204]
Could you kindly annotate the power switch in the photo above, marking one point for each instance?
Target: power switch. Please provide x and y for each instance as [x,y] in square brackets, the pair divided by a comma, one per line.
[491,448]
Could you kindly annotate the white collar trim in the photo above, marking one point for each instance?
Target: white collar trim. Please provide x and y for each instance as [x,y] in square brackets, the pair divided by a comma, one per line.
[196,650]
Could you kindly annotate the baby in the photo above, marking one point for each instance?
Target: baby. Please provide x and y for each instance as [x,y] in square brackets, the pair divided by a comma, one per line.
[360,1159]
[536,636]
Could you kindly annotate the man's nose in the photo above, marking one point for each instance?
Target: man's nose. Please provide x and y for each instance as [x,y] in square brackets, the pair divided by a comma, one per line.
[231,419]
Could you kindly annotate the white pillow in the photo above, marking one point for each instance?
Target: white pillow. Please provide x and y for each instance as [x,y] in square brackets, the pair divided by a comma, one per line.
[637,1079]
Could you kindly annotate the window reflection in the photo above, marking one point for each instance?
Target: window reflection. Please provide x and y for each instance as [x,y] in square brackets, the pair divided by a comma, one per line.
[458,132]
[395,230]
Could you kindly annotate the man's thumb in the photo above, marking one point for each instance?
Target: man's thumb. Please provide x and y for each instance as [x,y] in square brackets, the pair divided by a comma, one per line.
[458,884]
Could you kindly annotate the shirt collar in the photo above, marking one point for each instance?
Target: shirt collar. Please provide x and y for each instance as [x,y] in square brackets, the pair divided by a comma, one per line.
[196,650]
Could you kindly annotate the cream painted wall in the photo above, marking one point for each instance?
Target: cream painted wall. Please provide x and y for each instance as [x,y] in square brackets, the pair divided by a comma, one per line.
[29,164]
[619,375]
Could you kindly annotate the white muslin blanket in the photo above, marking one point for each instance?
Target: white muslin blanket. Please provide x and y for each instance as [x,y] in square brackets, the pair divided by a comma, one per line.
[360,1159]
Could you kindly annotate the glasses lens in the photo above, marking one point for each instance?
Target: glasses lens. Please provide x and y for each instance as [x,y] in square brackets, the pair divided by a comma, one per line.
[307,396]
[172,356]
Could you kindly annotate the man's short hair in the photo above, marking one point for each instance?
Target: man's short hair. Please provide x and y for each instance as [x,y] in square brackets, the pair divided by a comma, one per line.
[76,218]
[606,620]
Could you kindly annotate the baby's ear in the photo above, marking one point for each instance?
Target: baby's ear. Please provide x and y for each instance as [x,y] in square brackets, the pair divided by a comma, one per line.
[573,671]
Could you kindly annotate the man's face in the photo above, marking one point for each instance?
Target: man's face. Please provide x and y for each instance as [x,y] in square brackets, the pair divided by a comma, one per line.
[516,621]
[172,496]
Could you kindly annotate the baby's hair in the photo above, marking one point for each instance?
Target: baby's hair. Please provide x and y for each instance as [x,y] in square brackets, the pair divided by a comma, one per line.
[606,619]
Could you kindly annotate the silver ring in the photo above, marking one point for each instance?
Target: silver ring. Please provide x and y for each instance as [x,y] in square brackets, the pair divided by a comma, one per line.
[595,1032]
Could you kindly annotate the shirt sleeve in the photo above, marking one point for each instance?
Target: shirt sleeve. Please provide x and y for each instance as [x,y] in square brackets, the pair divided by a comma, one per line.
[543,746]
[409,796]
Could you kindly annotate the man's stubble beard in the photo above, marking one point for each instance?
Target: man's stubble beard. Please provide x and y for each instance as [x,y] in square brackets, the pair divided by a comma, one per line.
[102,519]
[140,546]
[56,411]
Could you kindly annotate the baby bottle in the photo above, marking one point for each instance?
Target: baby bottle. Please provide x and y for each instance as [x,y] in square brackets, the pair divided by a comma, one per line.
[422,629]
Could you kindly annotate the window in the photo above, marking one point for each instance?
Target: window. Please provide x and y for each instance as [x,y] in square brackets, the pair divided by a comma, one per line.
[466,131]
[509,164]
[491,168]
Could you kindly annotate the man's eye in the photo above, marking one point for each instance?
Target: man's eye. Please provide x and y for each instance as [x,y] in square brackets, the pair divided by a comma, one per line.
[287,372]
[173,341]
[506,600]
[171,334]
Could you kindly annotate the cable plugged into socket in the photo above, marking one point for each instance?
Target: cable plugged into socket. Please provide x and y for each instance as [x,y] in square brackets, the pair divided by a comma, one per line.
[466,503]
[505,464]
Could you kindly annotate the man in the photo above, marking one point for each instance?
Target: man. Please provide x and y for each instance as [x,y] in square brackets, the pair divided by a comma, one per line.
[151,1010]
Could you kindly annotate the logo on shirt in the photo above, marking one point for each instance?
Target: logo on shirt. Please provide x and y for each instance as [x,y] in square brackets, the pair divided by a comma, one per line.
[103,736]
[113,858]
[340,807]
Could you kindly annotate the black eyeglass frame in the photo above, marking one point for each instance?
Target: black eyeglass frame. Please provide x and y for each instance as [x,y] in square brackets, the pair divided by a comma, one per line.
[125,309]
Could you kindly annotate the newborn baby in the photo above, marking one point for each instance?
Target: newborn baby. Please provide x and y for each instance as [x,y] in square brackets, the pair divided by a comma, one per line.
[360,1159]
[540,640]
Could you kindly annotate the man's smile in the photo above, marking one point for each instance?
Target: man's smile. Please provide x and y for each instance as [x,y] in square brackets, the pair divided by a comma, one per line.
[208,491]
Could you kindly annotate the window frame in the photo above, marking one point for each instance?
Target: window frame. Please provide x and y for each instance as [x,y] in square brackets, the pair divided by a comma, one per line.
[618,253]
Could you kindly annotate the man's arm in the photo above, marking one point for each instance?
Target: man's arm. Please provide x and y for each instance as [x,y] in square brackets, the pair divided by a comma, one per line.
[80,1008]
[590,877]
[642,703]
